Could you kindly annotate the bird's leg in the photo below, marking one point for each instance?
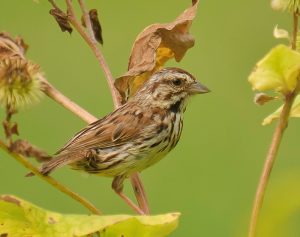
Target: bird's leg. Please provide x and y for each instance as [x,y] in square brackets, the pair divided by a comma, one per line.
[117,186]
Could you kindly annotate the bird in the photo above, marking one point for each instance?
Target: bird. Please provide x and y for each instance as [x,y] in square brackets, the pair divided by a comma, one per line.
[136,135]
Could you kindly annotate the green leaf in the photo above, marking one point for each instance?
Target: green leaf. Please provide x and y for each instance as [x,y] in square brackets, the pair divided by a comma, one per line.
[19,218]
[295,112]
[278,71]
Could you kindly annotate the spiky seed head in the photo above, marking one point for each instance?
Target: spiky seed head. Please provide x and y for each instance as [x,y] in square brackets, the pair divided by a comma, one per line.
[19,78]
[19,83]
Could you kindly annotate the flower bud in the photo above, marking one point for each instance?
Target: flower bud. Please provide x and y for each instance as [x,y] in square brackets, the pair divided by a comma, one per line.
[283,5]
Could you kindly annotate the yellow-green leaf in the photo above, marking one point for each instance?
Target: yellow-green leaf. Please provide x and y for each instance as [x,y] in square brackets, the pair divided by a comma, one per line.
[278,71]
[19,218]
[295,112]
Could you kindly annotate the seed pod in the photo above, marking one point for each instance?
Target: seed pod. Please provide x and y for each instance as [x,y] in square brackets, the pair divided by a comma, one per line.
[19,77]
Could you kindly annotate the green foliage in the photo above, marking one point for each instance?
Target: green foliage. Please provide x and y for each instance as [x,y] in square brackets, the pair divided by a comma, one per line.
[295,112]
[278,71]
[20,218]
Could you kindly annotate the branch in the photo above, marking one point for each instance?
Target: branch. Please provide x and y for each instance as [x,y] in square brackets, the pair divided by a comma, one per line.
[21,159]
[90,40]
[139,192]
[275,144]
[57,96]
[89,27]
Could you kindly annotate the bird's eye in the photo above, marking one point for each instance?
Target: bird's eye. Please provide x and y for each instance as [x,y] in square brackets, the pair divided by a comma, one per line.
[176,82]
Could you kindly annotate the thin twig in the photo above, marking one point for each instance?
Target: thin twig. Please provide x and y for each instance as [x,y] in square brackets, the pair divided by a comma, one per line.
[53,4]
[269,162]
[295,30]
[139,192]
[274,147]
[50,180]
[7,124]
[88,23]
[94,47]
[57,96]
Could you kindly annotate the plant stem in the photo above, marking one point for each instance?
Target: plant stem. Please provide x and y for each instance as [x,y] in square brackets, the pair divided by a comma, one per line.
[275,144]
[89,37]
[269,162]
[139,192]
[93,45]
[88,24]
[295,30]
[57,96]
[50,180]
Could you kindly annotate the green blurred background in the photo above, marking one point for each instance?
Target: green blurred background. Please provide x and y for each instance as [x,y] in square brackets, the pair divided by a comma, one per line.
[212,174]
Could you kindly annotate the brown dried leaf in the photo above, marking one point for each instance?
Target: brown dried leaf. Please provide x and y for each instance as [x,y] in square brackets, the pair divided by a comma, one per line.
[96,26]
[14,129]
[26,149]
[61,19]
[155,45]
[11,48]
[20,41]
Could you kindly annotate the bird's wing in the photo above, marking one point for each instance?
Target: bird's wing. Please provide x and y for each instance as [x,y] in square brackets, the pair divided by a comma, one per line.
[117,128]
[126,124]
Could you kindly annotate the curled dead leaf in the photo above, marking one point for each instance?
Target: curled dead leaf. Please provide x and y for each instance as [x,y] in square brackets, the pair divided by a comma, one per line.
[14,129]
[62,19]
[26,149]
[11,48]
[96,26]
[155,45]
[95,23]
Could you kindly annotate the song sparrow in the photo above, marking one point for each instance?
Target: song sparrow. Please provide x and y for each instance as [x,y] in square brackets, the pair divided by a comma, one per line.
[136,135]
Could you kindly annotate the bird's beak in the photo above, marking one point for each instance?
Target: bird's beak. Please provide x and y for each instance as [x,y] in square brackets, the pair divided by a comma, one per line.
[198,88]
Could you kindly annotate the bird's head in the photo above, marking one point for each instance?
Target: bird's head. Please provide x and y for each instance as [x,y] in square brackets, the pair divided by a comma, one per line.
[169,87]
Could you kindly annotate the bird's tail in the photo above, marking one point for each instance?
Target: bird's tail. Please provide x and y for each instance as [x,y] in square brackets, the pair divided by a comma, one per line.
[55,163]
